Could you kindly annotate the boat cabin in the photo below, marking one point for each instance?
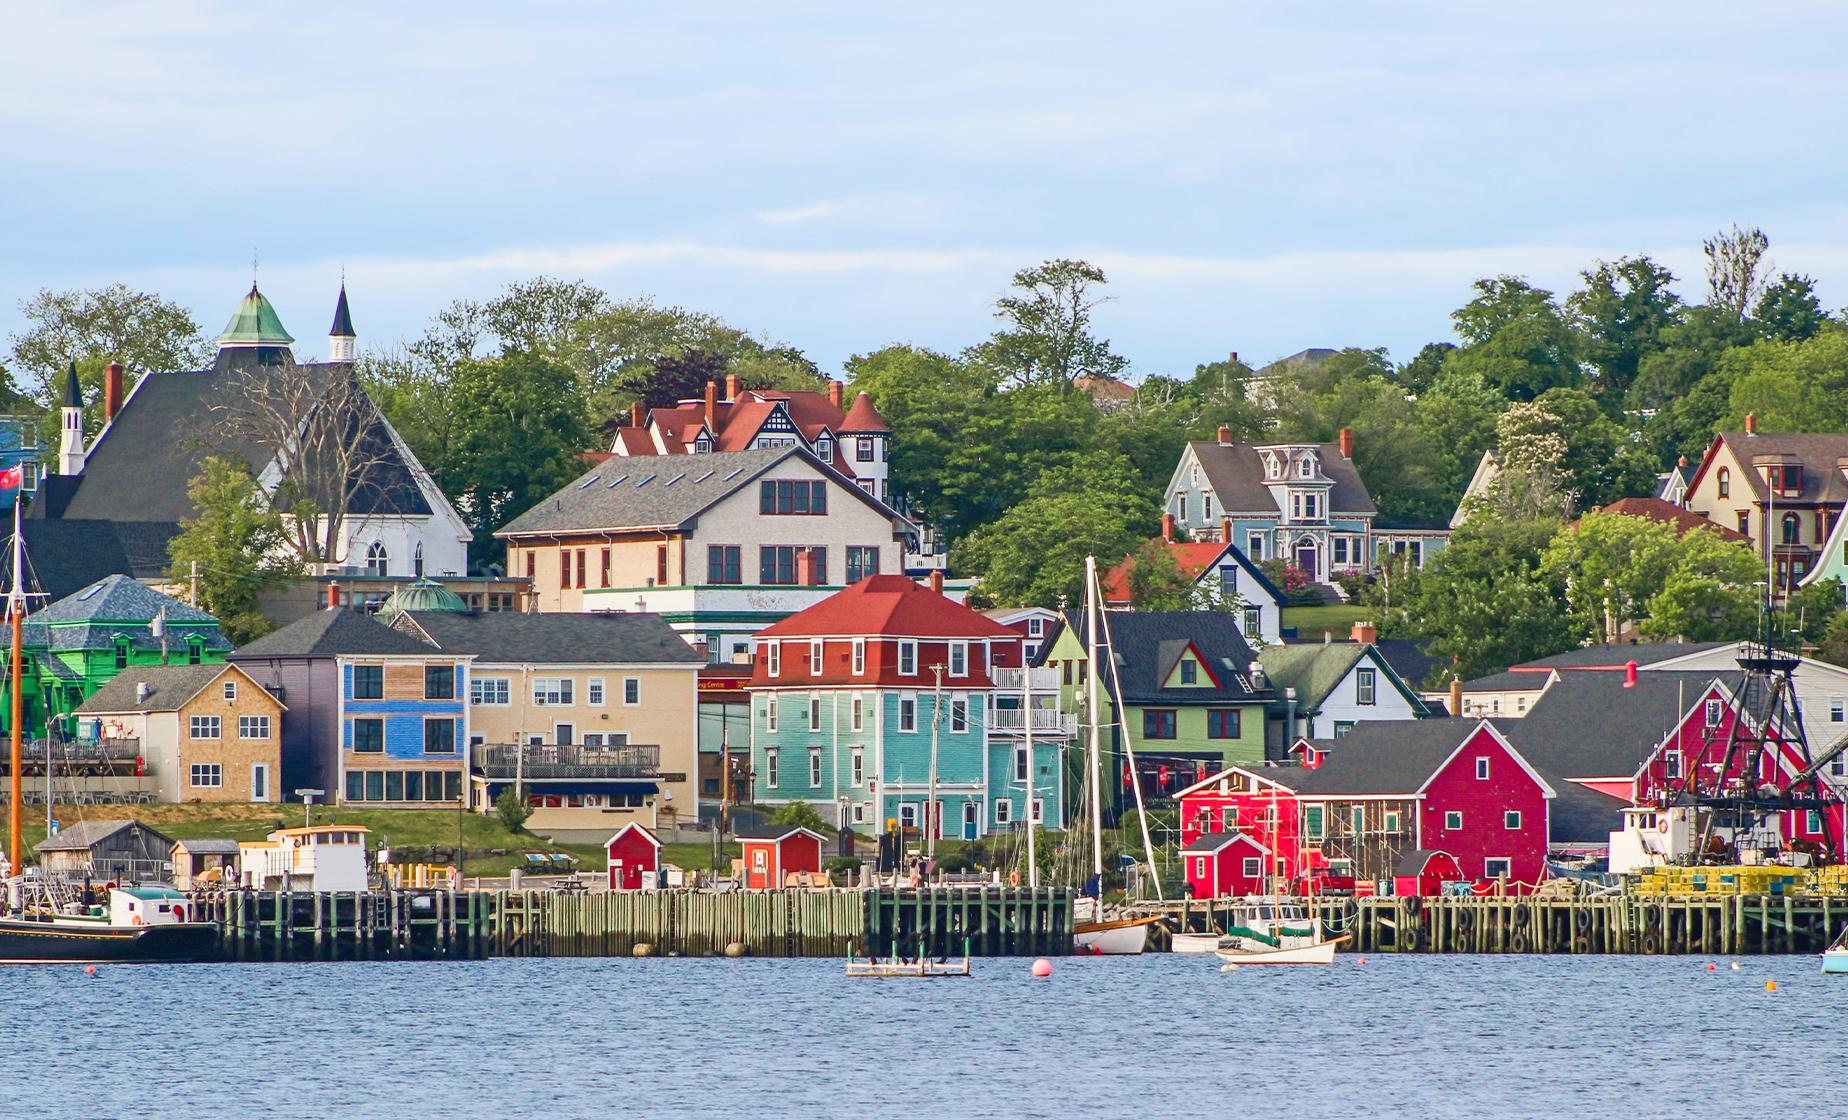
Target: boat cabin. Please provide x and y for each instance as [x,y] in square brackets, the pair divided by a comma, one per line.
[1225,864]
[321,858]
[773,854]
[634,858]
[147,906]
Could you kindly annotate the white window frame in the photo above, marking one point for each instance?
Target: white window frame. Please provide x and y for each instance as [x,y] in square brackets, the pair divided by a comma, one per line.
[1482,768]
[1366,687]
[818,652]
[1507,871]
[770,774]
[1714,712]
[1838,708]
[911,700]
[231,690]
[1671,765]
[770,712]
[1392,820]
[1004,810]
[959,659]
[212,724]
[814,711]
[859,657]
[1453,815]
[554,692]
[214,771]
[857,760]
[593,692]
[773,658]
[959,712]
[814,761]
[253,721]
[1039,809]
[857,708]
[632,686]
[1253,867]
[490,692]
[907,657]
[1511,820]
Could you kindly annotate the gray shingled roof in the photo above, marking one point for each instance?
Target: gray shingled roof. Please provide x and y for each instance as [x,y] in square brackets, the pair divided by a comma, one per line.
[333,633]
[1509,681]
[1149,643]
[1237,474]
[169,686]
[85,834]
[205,846]
[67,555]
[92,618]
[662,491]
[1588,725]
[1379,758]
[504,636]
[1643,653]
[1819,453]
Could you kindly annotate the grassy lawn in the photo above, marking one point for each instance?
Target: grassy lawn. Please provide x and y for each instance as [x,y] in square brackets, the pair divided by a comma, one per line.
[1311,621]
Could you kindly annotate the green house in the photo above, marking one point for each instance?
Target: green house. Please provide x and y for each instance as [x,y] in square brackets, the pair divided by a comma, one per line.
[1180,696]
[79,643]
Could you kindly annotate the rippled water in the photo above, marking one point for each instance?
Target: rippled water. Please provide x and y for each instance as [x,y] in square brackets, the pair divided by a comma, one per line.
[1159,1035]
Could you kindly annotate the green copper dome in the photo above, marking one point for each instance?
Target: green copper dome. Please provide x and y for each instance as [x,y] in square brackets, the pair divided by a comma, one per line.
[423,595]
[254,324]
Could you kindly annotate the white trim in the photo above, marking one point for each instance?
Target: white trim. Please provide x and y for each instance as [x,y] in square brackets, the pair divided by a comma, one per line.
[1519,759]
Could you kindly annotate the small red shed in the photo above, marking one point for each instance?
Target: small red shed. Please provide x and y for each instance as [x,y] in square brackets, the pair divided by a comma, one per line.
[1424,872]
[634,857]
[771,854]
[1225,865]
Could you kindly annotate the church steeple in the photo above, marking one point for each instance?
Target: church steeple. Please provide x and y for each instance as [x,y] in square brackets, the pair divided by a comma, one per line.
[70,442]
[255,323]
[340,337]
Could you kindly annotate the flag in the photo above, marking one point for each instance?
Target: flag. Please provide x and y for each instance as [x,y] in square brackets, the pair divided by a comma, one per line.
[11,477]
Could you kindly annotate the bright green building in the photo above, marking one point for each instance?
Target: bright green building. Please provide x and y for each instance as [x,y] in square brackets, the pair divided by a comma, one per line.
[79,643]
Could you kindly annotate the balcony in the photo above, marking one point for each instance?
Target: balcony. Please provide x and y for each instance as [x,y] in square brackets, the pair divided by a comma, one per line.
[1043,680]
[1046,721]
[567,760]
[83,757]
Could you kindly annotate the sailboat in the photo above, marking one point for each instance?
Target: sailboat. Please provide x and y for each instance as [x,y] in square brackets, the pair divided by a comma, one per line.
[43,920]
[1096,930]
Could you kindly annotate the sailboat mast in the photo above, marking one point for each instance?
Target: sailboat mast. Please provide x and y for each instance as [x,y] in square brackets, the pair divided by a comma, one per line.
[1092,679]
[16,613]
[1026,729]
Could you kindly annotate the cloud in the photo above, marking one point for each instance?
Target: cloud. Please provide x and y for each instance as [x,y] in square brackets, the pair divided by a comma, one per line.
[799,214]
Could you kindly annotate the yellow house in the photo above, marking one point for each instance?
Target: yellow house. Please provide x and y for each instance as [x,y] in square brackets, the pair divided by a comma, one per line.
[594,716]
[206,732]
[1785,490]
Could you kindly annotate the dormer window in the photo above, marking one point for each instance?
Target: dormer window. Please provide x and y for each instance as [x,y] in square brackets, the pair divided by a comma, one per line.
[824,449]
[1272,468]
[1305,467]
[1785,478]
[702,444]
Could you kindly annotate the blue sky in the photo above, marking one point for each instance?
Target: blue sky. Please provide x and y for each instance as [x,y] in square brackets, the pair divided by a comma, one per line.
[1253,177]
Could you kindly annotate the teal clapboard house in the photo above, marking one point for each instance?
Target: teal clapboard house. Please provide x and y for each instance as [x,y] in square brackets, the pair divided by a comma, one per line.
[847,696]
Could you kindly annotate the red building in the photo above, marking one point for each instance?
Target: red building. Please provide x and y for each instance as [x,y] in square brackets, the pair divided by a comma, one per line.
[772,854]
[1225,865]
[634,855]
[1423,872]
[1357,806]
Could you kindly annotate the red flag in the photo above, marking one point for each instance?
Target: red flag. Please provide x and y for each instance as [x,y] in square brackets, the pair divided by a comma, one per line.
[11,477]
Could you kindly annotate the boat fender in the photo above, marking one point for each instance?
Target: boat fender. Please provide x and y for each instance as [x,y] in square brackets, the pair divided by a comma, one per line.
[1581,944]
[1518,943]
[1465,919]
[1413,904]
[1651,944]
[1651,916]
[1013,878]
[1583,920]
[1414,940]
[134,919]
[179,913]
[1521,916]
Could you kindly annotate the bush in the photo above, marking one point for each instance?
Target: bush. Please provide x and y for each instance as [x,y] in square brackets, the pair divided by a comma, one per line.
[798,814]
[512,810]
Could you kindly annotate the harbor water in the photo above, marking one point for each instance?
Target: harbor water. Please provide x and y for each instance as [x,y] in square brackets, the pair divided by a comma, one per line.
[1413,1036]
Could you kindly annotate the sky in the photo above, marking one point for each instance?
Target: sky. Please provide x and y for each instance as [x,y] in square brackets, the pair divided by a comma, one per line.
[1252,177]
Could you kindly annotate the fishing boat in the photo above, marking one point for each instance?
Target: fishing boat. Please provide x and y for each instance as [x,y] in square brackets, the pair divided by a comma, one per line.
[1835,957]
[1198,942]
[1244,953]
[1276,930]
[43,920]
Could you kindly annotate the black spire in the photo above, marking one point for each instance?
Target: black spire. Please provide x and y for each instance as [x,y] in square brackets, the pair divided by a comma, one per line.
[343,321]
[73,393]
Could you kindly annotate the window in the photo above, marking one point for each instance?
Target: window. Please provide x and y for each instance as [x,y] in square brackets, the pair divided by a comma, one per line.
[230,690]
[1312,821]
[959,659]
[660,566]
[1715,712]
[253,727]
[1190,671]
[1453,820]
[1786,479]
[368,682]
[816,647]
[1020,764]
[121,653]
[1158,723]
[1497,868]
[1206,505]
[907,815]
[207,775]
[1254,622]
[195,651]
[801,497]
[776,565]
[773,655]
[862,561]
[1357,819]
[439,682]
[770,712]
[1004,810]
[1790,528]
[959,713]
[631,692]
[603,578]
[368,736]
[1745,523]
[863,449]
[1036,627]
[1341,546]
[593,692]
[1836,710]
[859,712]
[907,713]
[439,736]
[770,767]
[1482,769]
[1254,545]
[259,782]
[814,767]
[1391,817]
[814,711]
[1222,723]
[1305,467]
[1671,764]
[1724,481]
[553,690]
[1254,867]
[205,727]
[907,658]
[489,691]
[857,759]
[1511,820]
[1812,821]
[824,449]
[859,658]
[1365,682]
[724,563]
[1342,727]
[377,562]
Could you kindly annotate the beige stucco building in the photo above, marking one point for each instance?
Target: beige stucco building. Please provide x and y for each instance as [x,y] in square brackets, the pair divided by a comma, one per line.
[207,732]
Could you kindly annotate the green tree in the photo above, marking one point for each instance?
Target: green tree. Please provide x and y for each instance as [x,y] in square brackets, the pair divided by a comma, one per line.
[1708,593]
[512,810]
[1530,479]
[236,544]
[518,430]
[94,326]
[1457,414]
[1156,582]
[1602,461]
[1789,311]
[1033,555]
[797,814]
[1736,267]
[1421,373]
[1610,565]
[1621,315]
[1833,646]
[1483,602]
[1793,386]
[1046,338]
[1515,339]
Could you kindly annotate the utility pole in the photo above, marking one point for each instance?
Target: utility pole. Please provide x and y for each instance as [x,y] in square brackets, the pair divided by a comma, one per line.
[1026,716]
[193,596]
[931,823]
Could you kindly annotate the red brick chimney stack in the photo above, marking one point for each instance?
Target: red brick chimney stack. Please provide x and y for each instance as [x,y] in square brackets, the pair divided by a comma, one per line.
[835,393]
[1225,530]
[731,386]
[1365,633]
[712,404]
[638,416]
[333,596]
[1751,424]
[936,581]
[1347,443]
[1225,435]
[112,390]
[1167,526]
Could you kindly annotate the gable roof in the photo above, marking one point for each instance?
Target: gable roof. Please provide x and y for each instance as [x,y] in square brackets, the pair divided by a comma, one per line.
[334,632]
[1615,656]
[496,637]
[65,556]
[1378,758]
[86,834]
[1683,521]
[1195,559]
[207,846]
[1411,658]
[891,606]
[664,491]
[1209,842]
[1314,669]
[1148,644]
[1588,725]
[773,832]
[1236,471]
[169,687]
[1818,452]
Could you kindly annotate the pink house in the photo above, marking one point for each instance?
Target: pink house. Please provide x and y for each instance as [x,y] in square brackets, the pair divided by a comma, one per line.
[634,855]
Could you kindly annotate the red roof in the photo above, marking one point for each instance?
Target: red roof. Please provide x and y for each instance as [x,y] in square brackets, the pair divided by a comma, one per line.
[1684,521]
[1194,558]
[890,606]
[736,422]
[863,417]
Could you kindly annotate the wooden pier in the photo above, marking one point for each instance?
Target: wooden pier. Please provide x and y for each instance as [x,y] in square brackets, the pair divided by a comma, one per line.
[435,925]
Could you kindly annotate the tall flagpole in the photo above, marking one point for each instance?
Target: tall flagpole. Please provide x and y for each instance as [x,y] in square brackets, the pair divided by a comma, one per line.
[16,610]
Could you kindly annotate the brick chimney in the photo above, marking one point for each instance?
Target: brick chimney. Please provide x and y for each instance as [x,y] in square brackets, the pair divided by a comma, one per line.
[333,596]
[1167,526]
[731,386]
[936,580]
[835,391]
[712,404]
[1225,435]
[1233,357]
[1456,696]
[1347,443]
[1751,424]
[1225,530]
[112,390]
[1365,633]
[638,416]
[805,568]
